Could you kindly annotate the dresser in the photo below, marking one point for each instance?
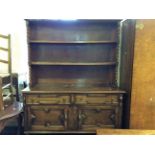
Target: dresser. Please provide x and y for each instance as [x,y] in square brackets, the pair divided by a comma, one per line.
[74,76]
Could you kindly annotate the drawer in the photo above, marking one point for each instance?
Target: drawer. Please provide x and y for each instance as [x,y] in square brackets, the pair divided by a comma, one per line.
[46,118]
[94,117]
[48,99]
[97,99]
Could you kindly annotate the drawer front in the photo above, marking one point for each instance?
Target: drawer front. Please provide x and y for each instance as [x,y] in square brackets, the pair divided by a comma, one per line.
[47,99]
[94,117]
[46,118]
[97,99]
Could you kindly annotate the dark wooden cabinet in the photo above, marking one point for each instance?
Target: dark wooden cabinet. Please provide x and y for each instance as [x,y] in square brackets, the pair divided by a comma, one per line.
[74,76]
[72,112]
[93,117]
[46,118]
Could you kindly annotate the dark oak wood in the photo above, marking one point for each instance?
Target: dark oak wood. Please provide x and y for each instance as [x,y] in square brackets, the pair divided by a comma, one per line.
[73,76]
[79,74]
[46,118]
[72,42]
[126,66]
[72,31]
[73,52]
[68,88]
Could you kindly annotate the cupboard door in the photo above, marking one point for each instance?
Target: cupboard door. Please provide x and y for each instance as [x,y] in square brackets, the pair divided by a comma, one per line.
[46,118]
[94,117]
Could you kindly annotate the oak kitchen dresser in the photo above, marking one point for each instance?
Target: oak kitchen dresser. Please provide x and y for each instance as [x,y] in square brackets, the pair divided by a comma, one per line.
[75,72]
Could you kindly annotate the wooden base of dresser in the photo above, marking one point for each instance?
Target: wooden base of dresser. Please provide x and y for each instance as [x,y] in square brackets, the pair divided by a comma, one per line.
[72,113]
[60,132]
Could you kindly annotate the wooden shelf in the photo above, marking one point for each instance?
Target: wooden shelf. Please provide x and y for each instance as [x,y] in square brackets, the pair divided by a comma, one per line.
[72,42]
[74,63]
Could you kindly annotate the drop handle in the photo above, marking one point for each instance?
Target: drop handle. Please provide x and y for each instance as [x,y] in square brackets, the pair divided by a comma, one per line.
[97,110]
[33,117]
[112,117]
[47,110]
[99,124]
[47,124]
[66,116]
[82,117]
[63,118]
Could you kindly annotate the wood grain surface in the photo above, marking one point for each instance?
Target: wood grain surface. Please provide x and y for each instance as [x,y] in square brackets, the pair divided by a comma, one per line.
[142,114]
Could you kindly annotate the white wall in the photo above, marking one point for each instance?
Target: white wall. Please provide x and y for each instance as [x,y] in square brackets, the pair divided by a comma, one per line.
[17,29]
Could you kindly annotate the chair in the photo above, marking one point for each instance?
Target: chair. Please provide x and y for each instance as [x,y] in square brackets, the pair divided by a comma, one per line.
[9,107]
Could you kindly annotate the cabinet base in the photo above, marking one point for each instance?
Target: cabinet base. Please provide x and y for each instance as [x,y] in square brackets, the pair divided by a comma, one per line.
[60,132]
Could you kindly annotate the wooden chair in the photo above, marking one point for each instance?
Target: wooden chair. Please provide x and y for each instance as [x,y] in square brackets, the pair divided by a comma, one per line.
[11,112]
[125,132]
[9,107]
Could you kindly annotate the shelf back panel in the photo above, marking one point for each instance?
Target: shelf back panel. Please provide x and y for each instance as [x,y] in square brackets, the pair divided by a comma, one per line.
[72,53]
[76,74]
[72,31]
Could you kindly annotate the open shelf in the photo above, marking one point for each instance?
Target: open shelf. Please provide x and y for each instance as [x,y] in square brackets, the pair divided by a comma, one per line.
[74,63]
[72,42]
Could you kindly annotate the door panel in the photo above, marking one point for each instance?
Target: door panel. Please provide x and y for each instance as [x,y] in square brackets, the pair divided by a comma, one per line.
[94,117]
[47,118]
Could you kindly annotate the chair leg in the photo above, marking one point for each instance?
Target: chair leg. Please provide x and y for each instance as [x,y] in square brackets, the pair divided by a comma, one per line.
[20,122]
